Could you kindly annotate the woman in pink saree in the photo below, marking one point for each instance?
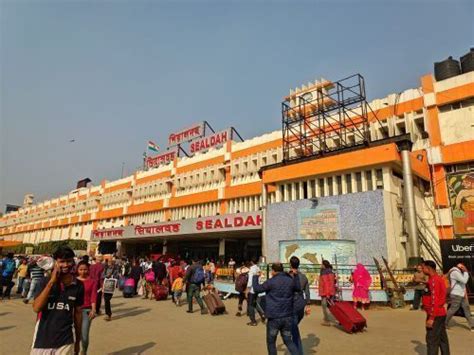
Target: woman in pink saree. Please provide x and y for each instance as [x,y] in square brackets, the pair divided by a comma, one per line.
[361,280]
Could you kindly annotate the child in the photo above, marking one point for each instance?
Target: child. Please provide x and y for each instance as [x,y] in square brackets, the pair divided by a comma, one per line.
[177,289]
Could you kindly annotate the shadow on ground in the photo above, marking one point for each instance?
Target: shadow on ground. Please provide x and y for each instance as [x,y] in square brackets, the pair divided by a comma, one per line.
[134,350]
[7,327]
[420,348]
[136,312]
[310,343]
[4,313]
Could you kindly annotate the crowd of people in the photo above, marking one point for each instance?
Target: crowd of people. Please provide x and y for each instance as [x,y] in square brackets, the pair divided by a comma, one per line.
[68,292]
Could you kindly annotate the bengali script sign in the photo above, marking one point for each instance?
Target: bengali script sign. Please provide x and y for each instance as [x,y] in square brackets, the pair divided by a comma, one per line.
[107,233]
[214,140]
[157,160]
[156,229]
[186,135]
[223,223]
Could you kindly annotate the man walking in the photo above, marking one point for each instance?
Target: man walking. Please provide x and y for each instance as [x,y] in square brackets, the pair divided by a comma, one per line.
[301,301]
[434,300]
[36,275]
[280,291]
[253,303]
[419,279]
[194,279]
[458,278]
[59,307]
[6,276]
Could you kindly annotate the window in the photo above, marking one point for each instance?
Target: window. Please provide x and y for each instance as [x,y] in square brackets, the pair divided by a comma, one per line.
[321,186]
[368,177]
[339,184]
[379,179]
[349,183]
[330,187]
[359,182]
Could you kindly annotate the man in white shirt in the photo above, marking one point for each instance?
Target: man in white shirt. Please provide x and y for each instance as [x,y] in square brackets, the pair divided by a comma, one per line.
[458,278]
[252,299]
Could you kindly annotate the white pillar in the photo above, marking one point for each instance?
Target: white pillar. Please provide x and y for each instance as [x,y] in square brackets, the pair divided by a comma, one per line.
[301,189]
[286,192]
[335,190]
[317,189]
[165,246]
[344,184]
[278,194]
[364,181]
[354,182]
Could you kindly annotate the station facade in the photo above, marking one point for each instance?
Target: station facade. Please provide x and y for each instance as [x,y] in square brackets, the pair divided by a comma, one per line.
[239,200]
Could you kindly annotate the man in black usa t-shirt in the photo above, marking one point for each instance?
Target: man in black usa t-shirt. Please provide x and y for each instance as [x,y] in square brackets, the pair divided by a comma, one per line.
[59,309]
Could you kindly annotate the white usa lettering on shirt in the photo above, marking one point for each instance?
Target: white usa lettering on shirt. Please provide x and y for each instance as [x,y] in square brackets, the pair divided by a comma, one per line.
[59,306]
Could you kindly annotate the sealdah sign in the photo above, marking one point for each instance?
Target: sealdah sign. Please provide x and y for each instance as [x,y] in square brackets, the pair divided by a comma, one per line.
[229,222]
[209,142]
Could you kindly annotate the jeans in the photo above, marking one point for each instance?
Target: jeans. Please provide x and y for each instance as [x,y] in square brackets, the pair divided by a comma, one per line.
[252,304]
[417,298]
[456,302]
[98,302]
[295,332]
[437,338]
[177,296]
[6,281]
[241,301]
[86,326]
[19,288]
[108,308]
[194,290]
[34,289]
[282,326]
[324,305]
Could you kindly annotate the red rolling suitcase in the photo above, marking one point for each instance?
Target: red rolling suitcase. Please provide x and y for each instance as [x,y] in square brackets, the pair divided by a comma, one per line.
[214,303]
[349,318]
[160,292]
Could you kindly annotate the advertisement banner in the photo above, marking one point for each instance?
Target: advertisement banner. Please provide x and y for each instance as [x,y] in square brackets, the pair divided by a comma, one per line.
[319,223]
[461,195]
[454,251]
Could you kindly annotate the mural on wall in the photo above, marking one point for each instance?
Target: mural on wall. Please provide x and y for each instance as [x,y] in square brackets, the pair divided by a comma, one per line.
[312,251]
[321,222]
[461,195]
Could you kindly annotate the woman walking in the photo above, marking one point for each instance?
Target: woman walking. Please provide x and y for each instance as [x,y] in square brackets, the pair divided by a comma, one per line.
[90,299]
[327,289]
[361,280]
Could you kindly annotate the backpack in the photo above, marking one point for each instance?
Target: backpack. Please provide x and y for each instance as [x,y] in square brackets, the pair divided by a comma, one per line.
[150,276]
[8,267]
[241,282]
[198,276]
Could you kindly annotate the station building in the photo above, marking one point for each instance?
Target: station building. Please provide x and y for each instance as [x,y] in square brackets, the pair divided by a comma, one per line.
[264,195]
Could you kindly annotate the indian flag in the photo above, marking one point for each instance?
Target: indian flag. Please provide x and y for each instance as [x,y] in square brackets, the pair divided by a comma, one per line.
[153,146]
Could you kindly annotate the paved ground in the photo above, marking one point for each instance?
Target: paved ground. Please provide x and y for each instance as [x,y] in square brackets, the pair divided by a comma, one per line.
[150,327]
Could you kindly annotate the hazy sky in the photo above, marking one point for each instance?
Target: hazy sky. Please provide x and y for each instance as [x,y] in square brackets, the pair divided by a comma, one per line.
[113,74]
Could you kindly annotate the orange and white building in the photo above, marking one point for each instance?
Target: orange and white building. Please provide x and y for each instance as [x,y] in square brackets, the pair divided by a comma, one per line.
[214,203]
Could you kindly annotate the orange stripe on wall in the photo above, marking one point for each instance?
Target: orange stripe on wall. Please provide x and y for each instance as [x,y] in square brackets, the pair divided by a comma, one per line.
[352,160]
[455,94]
[457,153]
[193,199]
[433,126]
[75,219]
[154,177]
[254,188]
[427,85]
[118,187]
[145,207]
[201,164]
[420,168]
[445,232]
[441,190]
[223,207]
[86,217]
[256,149]
[115,212]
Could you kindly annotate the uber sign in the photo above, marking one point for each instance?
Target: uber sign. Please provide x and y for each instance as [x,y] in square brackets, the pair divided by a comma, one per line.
[454,251]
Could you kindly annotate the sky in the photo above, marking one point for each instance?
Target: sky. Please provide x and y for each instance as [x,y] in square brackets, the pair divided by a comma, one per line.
[113,74]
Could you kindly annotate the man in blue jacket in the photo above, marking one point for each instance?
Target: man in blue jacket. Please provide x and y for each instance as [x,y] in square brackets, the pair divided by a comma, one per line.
[279,294]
